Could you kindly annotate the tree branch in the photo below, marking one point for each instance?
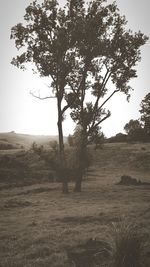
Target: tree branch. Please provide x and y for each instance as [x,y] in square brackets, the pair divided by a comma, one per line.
[42,98]
[107,116]
[65,108]
[105,80]
[115,91]
[97,124]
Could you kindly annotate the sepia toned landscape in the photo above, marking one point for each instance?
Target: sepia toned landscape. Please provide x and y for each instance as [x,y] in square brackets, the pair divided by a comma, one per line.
[75,133]
[39,224]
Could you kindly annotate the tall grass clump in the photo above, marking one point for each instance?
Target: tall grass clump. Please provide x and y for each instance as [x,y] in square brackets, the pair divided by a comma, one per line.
[126,245]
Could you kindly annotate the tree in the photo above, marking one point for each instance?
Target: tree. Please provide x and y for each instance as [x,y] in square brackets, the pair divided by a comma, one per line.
[47,41]
[108,52]
[80,47]
[132,125]
[139,130]
[134,130]
[145,114]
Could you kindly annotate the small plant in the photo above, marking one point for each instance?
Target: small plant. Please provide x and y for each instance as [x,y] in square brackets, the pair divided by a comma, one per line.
[54,146]
[125,245]
[37,149]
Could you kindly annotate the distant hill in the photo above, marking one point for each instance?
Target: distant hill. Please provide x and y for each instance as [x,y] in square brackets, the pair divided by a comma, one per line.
[14,140]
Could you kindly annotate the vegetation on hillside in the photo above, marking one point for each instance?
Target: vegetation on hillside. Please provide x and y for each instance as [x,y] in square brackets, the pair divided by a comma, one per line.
[39,225]
[82,48]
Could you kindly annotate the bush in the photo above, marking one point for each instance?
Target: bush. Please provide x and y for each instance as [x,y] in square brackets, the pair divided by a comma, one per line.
[71,140]
[37,149]
[7,146]
[54,146]
[125,245]
[120,137]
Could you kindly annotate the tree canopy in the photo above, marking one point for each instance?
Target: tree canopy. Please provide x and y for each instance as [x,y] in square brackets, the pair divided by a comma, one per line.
[107,52]
[139,130]
[134,130]
[132,125]
[78,45]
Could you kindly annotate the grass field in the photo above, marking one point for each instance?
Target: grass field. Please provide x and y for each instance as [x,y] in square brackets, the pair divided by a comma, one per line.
[38,224]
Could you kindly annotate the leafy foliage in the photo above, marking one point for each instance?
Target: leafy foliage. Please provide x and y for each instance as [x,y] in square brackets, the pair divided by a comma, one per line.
[97,137]
[108,52]
[139,130]
[145,113]
[80,47]
[132,125]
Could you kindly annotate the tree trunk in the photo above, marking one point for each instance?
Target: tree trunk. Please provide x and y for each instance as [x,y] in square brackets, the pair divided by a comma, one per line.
[82,163]
[78,182]
[65,186]
[83,140]
[61,151]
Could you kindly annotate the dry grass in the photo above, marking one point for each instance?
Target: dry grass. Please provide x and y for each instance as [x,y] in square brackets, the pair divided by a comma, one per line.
[126,244]
[39,223]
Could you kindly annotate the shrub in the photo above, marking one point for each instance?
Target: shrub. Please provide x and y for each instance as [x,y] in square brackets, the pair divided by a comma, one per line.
[125,245]
[37,149]
[54,146]
[120,137]
[7,146]
[70,140]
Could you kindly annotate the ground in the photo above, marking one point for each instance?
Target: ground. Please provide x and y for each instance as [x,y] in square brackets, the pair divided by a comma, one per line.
[39,224]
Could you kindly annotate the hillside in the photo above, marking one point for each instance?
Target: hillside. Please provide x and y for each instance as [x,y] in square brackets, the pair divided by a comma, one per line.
[124,156]
[23,166]
[39,224]
[18,140]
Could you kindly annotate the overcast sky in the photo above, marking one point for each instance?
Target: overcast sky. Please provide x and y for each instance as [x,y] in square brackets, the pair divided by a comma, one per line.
[22,113]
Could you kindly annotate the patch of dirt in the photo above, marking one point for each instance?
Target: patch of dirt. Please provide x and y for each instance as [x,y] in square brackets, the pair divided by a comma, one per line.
[87,219]
[37,191]
[15,203]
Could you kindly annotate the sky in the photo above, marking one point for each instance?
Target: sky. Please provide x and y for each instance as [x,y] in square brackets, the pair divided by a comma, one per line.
[22,113]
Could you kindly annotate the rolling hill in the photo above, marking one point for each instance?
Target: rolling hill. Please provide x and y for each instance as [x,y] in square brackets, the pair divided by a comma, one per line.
[16,140]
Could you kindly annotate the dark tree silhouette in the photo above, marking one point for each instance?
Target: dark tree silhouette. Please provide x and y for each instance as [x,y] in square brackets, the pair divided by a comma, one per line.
[139,130]
[145,114]
[132,125]
[134,131]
